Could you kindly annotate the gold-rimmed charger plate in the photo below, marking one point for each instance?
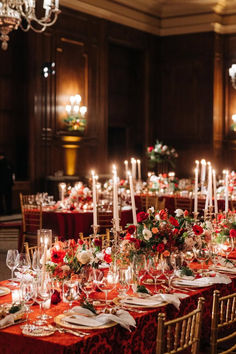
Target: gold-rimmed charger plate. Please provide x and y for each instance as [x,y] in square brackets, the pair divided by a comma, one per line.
[59,321]
[4,291]
[118,302]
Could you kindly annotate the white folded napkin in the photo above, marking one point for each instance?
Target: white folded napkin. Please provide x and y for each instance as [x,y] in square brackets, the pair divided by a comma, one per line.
[156,300]
[231,270]
[91,320]
[2,291]
[10,319]
[205,281]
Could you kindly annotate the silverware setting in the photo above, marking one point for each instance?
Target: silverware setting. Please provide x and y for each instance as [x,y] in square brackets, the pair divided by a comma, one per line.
[66,330]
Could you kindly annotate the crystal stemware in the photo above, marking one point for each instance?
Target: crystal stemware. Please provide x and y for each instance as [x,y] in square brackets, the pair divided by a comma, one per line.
[106,283]
[154,269]
[42,295]
[70,292]
[24,262]
[28,292]
[12,263]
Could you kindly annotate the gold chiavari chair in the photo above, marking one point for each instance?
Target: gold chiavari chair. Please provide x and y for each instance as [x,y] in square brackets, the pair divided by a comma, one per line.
[105,238]
[183,203]
[181,333]
[148,201]
[31,219]
[223,323]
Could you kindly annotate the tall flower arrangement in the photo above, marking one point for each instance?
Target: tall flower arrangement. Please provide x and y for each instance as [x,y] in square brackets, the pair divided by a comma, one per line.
[160,153]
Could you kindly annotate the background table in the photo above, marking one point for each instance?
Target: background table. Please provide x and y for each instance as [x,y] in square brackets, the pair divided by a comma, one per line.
[70,224]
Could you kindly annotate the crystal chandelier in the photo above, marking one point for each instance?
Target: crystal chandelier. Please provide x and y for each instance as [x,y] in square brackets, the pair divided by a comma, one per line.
[13,12]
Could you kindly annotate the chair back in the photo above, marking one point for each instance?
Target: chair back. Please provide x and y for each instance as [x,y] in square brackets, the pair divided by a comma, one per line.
[181,333]
[232,204]
[223,321]
[31,219]
[105,239]
[148,201]
[104,220]
[183,203]
[30,250]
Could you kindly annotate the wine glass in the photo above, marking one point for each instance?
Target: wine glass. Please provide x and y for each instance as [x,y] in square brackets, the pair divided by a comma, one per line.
[28,292]
[106,283]
[154,270]
[169,268]
[12,263]
[70,292]
[124,275]
[202,255]
[24,262]
[139,266]
[42,295]
[86,283]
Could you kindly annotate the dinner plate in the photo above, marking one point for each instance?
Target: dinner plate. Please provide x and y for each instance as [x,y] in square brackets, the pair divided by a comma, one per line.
[118,301]
[59,321]
[187,284]
[159,281]
[4,291]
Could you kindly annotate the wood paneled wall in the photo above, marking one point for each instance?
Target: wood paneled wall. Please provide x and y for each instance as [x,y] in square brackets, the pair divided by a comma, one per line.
[138,87]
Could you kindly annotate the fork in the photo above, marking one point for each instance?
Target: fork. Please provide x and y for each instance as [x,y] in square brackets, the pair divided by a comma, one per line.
[67,330]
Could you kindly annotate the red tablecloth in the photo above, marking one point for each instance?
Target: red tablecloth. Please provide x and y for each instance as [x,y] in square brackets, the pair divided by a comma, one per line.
[70,224]
[113,340]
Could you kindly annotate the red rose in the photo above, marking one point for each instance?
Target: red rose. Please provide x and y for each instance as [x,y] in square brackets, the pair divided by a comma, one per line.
[175,231]
[136,242]
[57,255]
[97,242]
[107,258]
[198,230]
[142,216]
[127,236]
[150,148]
[163,214]
[186,213]
[173,221]
[160,247]
[71,243]
[55,298]
[131,229]
[80,242]
[232,233]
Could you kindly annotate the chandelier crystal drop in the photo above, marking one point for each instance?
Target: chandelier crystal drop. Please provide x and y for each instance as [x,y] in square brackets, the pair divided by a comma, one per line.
[13,12]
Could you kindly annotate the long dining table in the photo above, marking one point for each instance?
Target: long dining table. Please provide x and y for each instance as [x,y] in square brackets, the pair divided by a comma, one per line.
[141,339]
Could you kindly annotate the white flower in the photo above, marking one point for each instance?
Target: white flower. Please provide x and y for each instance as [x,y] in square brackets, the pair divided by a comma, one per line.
[164,148]
[100,256]
[84,257]
[179,213]
[157,217]
[151,210]
[208,225]
[108,250]
[65,268]
[164,241]
[147,234]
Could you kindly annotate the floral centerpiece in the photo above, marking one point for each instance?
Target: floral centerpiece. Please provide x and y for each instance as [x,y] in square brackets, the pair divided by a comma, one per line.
[158,233]
[67,258]
[160,153]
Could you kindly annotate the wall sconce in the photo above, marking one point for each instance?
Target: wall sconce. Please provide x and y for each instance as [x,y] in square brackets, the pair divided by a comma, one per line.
[232,74]
[233,126]
[76,120]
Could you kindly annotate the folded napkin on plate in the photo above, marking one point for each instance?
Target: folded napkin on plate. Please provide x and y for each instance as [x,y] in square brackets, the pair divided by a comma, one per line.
[10,319]
[156,300]
[2,291]
[205,281]
[231,270]
[91,320]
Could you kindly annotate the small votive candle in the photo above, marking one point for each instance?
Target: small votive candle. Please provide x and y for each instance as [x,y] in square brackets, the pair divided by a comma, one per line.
[16,296]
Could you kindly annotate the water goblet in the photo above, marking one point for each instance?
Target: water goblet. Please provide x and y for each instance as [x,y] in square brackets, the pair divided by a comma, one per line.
[42,295]
[12,263]
[124,275]
[24,262]
[70,292]
[106,283]
[154,270]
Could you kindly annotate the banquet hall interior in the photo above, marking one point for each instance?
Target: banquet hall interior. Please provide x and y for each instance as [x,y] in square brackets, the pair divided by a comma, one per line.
[122,108]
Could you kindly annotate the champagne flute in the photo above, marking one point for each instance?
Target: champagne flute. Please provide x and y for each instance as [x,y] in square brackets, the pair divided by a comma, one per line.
[36,261]
[12,263]
[124,281]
